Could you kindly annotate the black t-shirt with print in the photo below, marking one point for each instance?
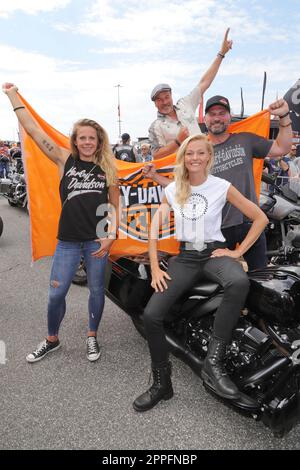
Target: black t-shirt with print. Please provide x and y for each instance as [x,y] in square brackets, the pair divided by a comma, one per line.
[83,189]
[233,161]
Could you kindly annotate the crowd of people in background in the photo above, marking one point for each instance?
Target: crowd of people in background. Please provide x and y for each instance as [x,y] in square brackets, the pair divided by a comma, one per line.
[287,168]
[126,152]
[10,152]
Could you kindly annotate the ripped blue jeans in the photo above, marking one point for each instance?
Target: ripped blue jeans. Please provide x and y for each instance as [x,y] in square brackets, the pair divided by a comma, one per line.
[65,263]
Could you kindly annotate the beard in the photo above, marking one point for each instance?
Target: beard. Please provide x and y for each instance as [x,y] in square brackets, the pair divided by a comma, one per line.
[217,131]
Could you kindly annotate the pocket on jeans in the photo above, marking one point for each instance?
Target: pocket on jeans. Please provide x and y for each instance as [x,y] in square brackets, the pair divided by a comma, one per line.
[94,245]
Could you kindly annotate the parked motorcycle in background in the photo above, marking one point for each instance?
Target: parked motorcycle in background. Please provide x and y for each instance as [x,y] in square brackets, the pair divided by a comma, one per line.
[80,277]
[282,207]
[4,187]
[17,192]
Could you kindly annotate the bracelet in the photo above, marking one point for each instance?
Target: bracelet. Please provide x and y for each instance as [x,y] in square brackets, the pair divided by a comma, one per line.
[221,55]
[19,107]
[284,115]
[177,142]
[286,125]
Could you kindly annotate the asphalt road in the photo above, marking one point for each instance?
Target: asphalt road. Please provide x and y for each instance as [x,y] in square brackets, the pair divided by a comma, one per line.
[65,402]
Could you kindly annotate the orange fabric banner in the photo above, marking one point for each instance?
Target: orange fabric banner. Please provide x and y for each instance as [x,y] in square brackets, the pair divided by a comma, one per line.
[140,197]
[259,124]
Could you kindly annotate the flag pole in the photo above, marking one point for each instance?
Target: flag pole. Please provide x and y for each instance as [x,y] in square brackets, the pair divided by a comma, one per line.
[242,103]
[264,90]
[119,109]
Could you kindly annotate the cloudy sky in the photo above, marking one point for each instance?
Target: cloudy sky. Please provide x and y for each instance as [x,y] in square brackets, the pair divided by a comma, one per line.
[67,56]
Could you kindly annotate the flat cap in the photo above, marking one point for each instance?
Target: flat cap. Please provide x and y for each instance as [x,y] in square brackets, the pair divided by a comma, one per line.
[158,88]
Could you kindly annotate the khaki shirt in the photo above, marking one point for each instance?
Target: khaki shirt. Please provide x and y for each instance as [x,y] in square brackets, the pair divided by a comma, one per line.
[164,129]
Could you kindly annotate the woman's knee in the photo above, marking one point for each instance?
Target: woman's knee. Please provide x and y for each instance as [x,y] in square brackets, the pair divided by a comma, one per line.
[238,283]
[58,290]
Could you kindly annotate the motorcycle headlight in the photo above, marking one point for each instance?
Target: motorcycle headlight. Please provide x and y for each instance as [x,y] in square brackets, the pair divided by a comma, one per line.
[295,215]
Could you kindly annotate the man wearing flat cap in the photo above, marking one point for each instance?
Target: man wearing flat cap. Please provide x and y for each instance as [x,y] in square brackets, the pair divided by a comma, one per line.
[176,122]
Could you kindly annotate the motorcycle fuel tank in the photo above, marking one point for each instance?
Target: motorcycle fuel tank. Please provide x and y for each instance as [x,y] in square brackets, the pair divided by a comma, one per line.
[275,294]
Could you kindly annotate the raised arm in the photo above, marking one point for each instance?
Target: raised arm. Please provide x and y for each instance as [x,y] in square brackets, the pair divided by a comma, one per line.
[149,171]
[158,275]
[254,213]
[282,145]
[55,153]
[207,79]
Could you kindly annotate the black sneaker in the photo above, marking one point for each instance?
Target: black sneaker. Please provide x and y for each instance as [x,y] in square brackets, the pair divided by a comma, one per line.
[93,350]
[43,348]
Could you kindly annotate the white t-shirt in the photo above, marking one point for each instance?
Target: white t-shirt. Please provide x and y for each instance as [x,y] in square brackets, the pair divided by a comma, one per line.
[199,220]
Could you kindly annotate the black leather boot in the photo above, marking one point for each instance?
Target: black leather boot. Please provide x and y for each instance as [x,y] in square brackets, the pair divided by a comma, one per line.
[213,371]
[161,389]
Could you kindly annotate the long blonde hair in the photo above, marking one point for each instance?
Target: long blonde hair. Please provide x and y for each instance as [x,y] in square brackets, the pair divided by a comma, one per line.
[183,187]
[104,156]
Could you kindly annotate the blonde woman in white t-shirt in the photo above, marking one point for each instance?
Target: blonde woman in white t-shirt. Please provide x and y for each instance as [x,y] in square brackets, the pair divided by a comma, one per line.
[197,199]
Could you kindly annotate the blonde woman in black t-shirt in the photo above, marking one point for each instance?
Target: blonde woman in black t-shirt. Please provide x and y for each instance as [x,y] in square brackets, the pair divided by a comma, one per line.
[88,187]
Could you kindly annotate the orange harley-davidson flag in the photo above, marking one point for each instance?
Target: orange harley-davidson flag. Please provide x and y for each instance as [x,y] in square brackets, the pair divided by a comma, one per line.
[140,197]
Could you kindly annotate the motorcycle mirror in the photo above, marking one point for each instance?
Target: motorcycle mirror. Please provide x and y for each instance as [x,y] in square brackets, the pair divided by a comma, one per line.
[269,179]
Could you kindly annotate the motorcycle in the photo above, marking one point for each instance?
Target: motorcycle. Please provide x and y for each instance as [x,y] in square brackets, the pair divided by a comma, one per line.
[4,187]
[263,358]
[17,192]
[282,207]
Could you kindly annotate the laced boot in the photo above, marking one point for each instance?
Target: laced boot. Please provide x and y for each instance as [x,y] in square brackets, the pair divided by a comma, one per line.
[161,389]
[213,371]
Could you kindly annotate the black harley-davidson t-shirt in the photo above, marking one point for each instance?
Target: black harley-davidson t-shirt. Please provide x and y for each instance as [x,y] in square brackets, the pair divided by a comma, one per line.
[233,161]
[83,189]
